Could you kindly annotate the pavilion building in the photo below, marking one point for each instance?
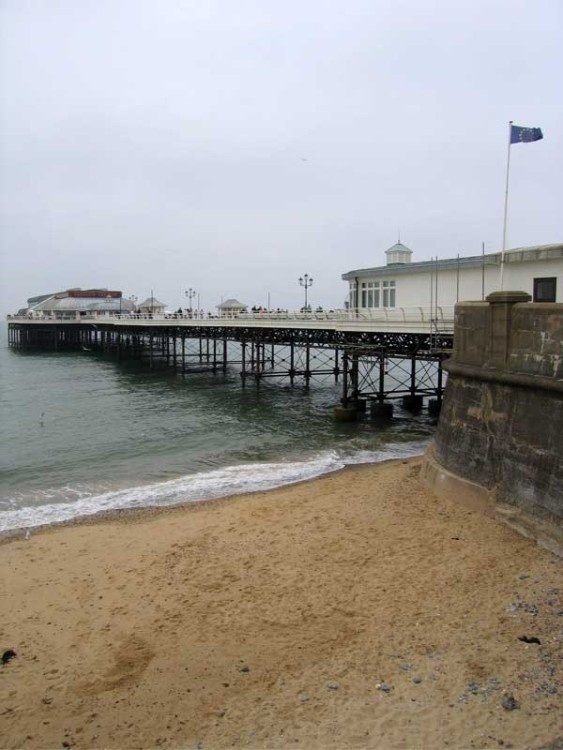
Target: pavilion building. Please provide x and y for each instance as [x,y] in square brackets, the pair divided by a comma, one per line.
[72,303]
[537,270]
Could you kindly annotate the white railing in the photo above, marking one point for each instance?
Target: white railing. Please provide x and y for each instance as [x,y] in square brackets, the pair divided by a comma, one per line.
[418,318]
[406,314]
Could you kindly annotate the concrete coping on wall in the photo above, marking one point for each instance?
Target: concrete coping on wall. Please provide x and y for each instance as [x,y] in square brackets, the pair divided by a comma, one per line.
[510,298]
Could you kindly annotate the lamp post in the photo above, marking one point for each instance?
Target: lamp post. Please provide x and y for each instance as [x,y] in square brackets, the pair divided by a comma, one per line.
[190,294]
[306,282]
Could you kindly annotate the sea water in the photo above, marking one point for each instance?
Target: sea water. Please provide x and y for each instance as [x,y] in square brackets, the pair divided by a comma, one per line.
[81,434]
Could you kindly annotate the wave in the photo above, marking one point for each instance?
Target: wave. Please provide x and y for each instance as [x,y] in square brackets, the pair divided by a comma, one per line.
[231,480]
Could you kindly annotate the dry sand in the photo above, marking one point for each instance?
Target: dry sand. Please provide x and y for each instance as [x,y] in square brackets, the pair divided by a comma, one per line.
[354,611]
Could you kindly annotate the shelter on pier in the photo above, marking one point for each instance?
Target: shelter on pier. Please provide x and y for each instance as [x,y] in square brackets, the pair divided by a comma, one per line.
[231,307]
[152,306]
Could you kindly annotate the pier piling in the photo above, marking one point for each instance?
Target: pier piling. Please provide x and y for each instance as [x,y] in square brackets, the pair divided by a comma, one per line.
[378,367]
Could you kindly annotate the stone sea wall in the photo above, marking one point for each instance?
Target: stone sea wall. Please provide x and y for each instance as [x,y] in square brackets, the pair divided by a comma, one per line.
[499,442]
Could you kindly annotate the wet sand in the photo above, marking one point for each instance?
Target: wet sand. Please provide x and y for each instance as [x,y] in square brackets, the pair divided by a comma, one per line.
[354,611]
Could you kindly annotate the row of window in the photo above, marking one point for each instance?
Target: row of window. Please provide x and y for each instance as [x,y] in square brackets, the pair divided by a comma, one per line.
[373,294]
[382,293]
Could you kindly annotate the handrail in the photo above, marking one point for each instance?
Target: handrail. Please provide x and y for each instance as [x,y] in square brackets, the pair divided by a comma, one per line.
[385,314]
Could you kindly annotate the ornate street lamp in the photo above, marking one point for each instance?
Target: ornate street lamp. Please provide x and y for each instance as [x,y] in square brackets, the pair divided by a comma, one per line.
[190,294]
[305,281]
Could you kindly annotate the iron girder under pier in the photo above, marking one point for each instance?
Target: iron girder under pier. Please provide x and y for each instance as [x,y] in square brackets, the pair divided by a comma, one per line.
[365,361]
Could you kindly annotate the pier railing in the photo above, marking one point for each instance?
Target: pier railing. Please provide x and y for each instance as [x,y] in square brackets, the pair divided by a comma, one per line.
[415,319]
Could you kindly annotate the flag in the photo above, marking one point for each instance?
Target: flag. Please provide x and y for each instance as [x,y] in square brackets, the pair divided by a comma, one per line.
[524,135]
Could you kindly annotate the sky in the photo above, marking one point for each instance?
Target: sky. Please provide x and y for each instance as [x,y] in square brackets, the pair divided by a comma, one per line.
[231,146]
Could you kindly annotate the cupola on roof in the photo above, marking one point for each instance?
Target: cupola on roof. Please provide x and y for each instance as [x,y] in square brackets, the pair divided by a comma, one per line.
[397,254]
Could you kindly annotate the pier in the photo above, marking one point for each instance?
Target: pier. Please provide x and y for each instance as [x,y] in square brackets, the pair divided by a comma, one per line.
[378,358]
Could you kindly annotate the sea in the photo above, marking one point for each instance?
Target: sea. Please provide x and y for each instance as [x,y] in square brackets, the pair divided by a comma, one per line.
[82,434]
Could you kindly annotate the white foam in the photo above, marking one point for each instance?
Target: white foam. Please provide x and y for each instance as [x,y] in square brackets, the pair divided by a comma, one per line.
[231,480]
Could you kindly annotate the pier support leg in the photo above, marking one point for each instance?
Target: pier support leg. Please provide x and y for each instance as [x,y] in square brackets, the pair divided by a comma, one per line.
[345,379]
[336,368]
[381,394]
[434,407]
[412,403]
[243,363]
[354,377]
[440,387]
[381,410]
[291,363]
[345,413]
[257,349]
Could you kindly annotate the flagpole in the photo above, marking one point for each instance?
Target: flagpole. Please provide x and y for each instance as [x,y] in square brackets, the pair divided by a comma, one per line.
[505,205]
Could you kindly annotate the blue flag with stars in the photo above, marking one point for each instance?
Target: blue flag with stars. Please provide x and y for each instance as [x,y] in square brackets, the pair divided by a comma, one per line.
[524,135]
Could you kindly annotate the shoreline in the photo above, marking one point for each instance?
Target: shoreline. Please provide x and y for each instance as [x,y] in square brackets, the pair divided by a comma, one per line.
[150,510]
[355,610]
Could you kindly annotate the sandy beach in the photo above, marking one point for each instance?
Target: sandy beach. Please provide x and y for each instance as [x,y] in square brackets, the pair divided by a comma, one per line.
[354,611]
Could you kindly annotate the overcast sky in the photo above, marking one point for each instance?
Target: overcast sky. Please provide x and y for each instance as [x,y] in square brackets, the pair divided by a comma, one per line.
[231,146]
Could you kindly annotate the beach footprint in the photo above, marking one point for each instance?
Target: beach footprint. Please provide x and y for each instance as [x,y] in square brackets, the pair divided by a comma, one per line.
[129,659]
